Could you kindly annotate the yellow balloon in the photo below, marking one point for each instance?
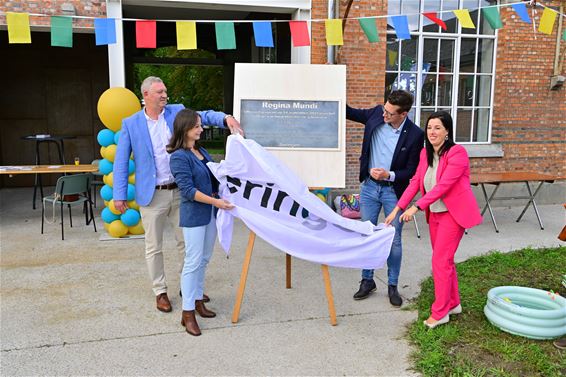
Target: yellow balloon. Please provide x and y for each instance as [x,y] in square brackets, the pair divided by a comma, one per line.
[106,203]
[117,229]
[132,178]
[112,208]
[136,229]
[103,152]
[321,197]
[110,152]
[116,104]
[106,226]
[108,179]
[133,205]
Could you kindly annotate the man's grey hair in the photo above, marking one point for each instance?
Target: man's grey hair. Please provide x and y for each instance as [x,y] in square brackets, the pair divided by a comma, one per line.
[146,84]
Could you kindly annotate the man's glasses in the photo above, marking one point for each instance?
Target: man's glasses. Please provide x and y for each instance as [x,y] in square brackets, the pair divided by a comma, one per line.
[388,113]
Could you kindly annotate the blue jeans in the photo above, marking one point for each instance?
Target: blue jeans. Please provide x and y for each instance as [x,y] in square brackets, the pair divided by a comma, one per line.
[199,243]
[372,198]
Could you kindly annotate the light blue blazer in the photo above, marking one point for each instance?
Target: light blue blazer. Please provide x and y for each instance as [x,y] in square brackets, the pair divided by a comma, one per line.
[134,137]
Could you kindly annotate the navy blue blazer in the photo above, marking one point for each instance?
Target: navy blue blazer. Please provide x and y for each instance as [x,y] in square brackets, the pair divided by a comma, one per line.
[191,175]
[406,156]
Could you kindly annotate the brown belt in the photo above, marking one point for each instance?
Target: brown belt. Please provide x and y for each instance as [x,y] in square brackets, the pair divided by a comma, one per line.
[169,186]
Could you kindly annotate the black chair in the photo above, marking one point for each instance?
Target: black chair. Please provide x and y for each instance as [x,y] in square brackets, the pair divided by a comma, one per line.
[96,182]
[71,190]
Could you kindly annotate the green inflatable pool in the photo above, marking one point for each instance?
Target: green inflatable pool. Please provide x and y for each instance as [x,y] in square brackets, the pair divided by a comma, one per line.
[528,312]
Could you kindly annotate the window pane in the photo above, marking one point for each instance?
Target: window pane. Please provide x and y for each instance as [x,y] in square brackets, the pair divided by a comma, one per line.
[392,63]
[390,78]
[430,54]
[483,91]
[428,92]
[466,90]
[484,26]
[447,55]
[425,113]
[406,81]
[485,56]
[393,9]
[467,54]
[431,6]
[444,90]
[409,50]
[463,125]
[412,9]
[449,17]
[481,125]
[472,6]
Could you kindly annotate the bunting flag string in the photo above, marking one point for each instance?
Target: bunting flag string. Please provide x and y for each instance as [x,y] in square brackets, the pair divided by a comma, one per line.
[105,28]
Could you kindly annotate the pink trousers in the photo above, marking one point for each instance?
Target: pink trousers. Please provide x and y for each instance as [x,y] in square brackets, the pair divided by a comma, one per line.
[445,236]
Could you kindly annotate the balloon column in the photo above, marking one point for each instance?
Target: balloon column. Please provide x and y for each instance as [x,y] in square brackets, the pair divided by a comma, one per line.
[114,105]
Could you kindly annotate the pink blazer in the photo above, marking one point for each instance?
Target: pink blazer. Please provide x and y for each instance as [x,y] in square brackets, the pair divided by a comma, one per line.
[452,186]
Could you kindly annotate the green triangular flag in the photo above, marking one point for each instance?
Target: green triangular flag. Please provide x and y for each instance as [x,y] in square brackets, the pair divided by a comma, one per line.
[225,35]
[61,31]
[492,16]
[369,27]
[564,36]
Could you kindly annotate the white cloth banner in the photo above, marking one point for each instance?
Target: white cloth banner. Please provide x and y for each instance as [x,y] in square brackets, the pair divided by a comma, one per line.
[273,202]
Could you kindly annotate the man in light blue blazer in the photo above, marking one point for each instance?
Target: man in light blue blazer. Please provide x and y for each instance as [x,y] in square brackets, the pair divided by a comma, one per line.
[146,134]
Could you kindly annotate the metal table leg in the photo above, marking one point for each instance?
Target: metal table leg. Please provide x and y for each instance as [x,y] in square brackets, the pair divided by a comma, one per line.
[532,200]
[488,205]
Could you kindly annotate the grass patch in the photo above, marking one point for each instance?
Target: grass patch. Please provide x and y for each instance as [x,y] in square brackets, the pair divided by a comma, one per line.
[469,345]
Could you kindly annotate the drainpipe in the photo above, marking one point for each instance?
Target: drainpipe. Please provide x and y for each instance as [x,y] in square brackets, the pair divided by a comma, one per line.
[330,50]
[557,80]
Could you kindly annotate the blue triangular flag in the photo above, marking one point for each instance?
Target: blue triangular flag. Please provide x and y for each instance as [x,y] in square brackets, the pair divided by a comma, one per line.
[105,31]
[401,25]
[521,10]
[262,34]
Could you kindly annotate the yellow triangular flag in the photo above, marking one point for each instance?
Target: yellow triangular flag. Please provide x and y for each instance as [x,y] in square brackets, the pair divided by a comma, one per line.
[186,35]
[334,32]
[18,27]
[547,21]
[464,18]
[392,56]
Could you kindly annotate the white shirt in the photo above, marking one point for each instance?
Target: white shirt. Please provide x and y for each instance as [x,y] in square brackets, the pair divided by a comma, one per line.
[160,136]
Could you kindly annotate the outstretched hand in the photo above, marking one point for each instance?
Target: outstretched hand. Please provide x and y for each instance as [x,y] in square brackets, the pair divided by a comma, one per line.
[234,126]
[223,204]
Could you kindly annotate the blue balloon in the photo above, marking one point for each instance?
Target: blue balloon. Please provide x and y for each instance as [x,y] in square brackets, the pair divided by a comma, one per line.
[106,192]
[131,192]
[131,217]
[131,167]
[105,137]
[108,216]
[117,137]
[105,166]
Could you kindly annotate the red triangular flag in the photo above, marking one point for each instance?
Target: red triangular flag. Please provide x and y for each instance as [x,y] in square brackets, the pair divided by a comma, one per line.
[434,18]
[145,34]
[300,33]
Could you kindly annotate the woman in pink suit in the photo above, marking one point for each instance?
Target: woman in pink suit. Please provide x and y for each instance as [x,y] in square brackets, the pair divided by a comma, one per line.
[443,179]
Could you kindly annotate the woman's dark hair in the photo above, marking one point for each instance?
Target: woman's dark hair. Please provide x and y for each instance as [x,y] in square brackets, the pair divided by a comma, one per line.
[185,120]
[446,120]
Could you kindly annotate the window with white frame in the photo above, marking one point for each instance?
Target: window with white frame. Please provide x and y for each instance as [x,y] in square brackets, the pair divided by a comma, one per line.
[450,70]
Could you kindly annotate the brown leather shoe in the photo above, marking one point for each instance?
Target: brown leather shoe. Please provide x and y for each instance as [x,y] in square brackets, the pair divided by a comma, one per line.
[189,322]
[162,303]
[202,310]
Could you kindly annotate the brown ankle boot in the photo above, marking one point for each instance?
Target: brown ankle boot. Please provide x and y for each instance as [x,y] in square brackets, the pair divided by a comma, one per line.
[203,311]
[189,321]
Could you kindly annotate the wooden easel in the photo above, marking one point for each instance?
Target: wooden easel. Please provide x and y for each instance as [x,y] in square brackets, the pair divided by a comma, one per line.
[244,277]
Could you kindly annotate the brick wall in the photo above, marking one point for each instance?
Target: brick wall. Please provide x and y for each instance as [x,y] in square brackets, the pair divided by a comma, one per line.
[90,8]
[529,119]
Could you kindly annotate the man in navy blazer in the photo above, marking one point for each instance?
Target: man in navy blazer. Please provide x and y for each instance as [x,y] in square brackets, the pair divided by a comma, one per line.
[146,134]
[389,158]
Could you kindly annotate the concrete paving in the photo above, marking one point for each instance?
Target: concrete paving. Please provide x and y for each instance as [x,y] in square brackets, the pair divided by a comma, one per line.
[84,306]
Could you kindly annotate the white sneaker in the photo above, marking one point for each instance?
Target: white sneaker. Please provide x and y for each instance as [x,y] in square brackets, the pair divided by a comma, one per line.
[456,310]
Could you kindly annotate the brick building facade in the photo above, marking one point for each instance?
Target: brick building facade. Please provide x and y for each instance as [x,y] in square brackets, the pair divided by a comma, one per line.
[529,119]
